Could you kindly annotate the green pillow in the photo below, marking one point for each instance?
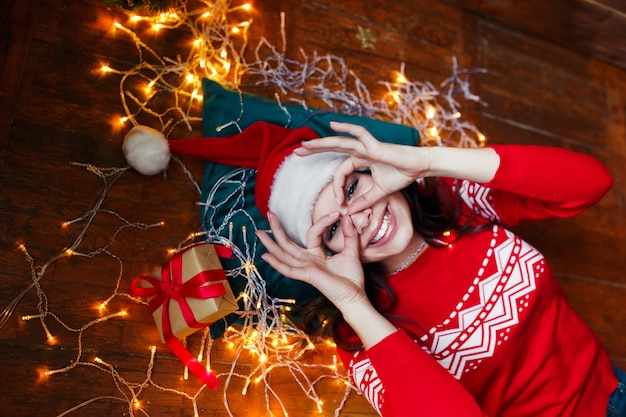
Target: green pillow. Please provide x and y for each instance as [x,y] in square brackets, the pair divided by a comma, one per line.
[228,208]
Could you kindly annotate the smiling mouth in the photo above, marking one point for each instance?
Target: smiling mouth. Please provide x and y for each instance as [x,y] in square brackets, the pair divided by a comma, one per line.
[384,227]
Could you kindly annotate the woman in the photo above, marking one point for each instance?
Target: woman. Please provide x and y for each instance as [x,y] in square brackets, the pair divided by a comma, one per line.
[468,319]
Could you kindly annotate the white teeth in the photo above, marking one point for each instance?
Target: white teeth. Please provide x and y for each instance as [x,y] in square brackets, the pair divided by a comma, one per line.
[383,229]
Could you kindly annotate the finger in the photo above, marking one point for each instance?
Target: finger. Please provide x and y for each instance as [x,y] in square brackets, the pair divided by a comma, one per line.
[275,249]
[341,144]
[351,245]
[284,268]
[357,131]
[340,177]
[281,245]
[365,200]
[279,233]
[316,232]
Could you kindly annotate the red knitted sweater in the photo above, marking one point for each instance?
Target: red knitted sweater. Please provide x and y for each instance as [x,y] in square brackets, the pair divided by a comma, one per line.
[488,331]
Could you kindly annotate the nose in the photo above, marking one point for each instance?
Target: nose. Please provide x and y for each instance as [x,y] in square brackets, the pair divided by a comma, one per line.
[361,220]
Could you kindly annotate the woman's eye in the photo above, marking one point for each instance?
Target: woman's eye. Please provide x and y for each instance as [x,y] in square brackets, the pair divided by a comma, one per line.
[330,233]
[352,188]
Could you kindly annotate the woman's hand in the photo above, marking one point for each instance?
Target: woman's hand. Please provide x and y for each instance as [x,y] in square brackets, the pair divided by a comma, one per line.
[338,277]
[393,166]
[396,166]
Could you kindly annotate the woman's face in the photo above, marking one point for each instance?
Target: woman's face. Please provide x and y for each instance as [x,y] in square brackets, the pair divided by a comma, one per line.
[385,229]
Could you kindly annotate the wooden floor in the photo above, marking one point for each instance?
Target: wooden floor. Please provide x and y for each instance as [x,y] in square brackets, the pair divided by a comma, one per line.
[556,76]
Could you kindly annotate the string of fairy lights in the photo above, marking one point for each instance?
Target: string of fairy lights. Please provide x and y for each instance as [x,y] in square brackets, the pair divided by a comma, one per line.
[166,93]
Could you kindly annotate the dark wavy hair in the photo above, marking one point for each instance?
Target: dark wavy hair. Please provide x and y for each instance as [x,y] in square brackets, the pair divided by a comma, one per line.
[435,211]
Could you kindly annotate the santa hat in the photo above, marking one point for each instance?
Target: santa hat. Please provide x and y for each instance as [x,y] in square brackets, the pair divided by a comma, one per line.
[286,184]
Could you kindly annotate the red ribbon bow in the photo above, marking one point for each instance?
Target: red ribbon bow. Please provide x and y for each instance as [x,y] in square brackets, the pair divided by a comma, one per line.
[172,287]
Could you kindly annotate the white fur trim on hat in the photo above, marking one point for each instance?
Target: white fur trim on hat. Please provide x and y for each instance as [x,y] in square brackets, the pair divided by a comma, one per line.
[295,188]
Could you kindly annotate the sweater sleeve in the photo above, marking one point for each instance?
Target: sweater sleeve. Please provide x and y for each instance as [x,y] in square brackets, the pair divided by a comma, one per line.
[537,183]
[401,380]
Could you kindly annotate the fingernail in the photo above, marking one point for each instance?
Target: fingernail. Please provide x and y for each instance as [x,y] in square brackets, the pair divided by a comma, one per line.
[334,214]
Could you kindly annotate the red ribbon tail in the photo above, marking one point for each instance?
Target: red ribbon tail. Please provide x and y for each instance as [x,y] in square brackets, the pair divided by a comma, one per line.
[223,251]
[201,372]
[192,363]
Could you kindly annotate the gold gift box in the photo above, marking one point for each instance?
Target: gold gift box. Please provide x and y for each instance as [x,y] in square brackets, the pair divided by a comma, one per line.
[195,260]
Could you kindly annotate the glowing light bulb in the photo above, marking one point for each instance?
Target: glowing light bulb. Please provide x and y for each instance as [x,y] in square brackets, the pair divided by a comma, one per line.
[248,266]
[481,138]
[244,390]
[401,78]
[320,403]
[430,112]
[433,132]
[105,69]
[123,120]
[247,7]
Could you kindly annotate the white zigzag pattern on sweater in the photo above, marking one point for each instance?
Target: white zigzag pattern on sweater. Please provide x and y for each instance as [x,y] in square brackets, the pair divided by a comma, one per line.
[480,328]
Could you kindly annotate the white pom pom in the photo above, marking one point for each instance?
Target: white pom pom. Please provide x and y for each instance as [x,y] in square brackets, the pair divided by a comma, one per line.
[146,150]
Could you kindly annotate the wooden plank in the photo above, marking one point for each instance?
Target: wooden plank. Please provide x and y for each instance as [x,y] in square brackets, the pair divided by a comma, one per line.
[16,26]
[62,108]
[591,27]
[543,87]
